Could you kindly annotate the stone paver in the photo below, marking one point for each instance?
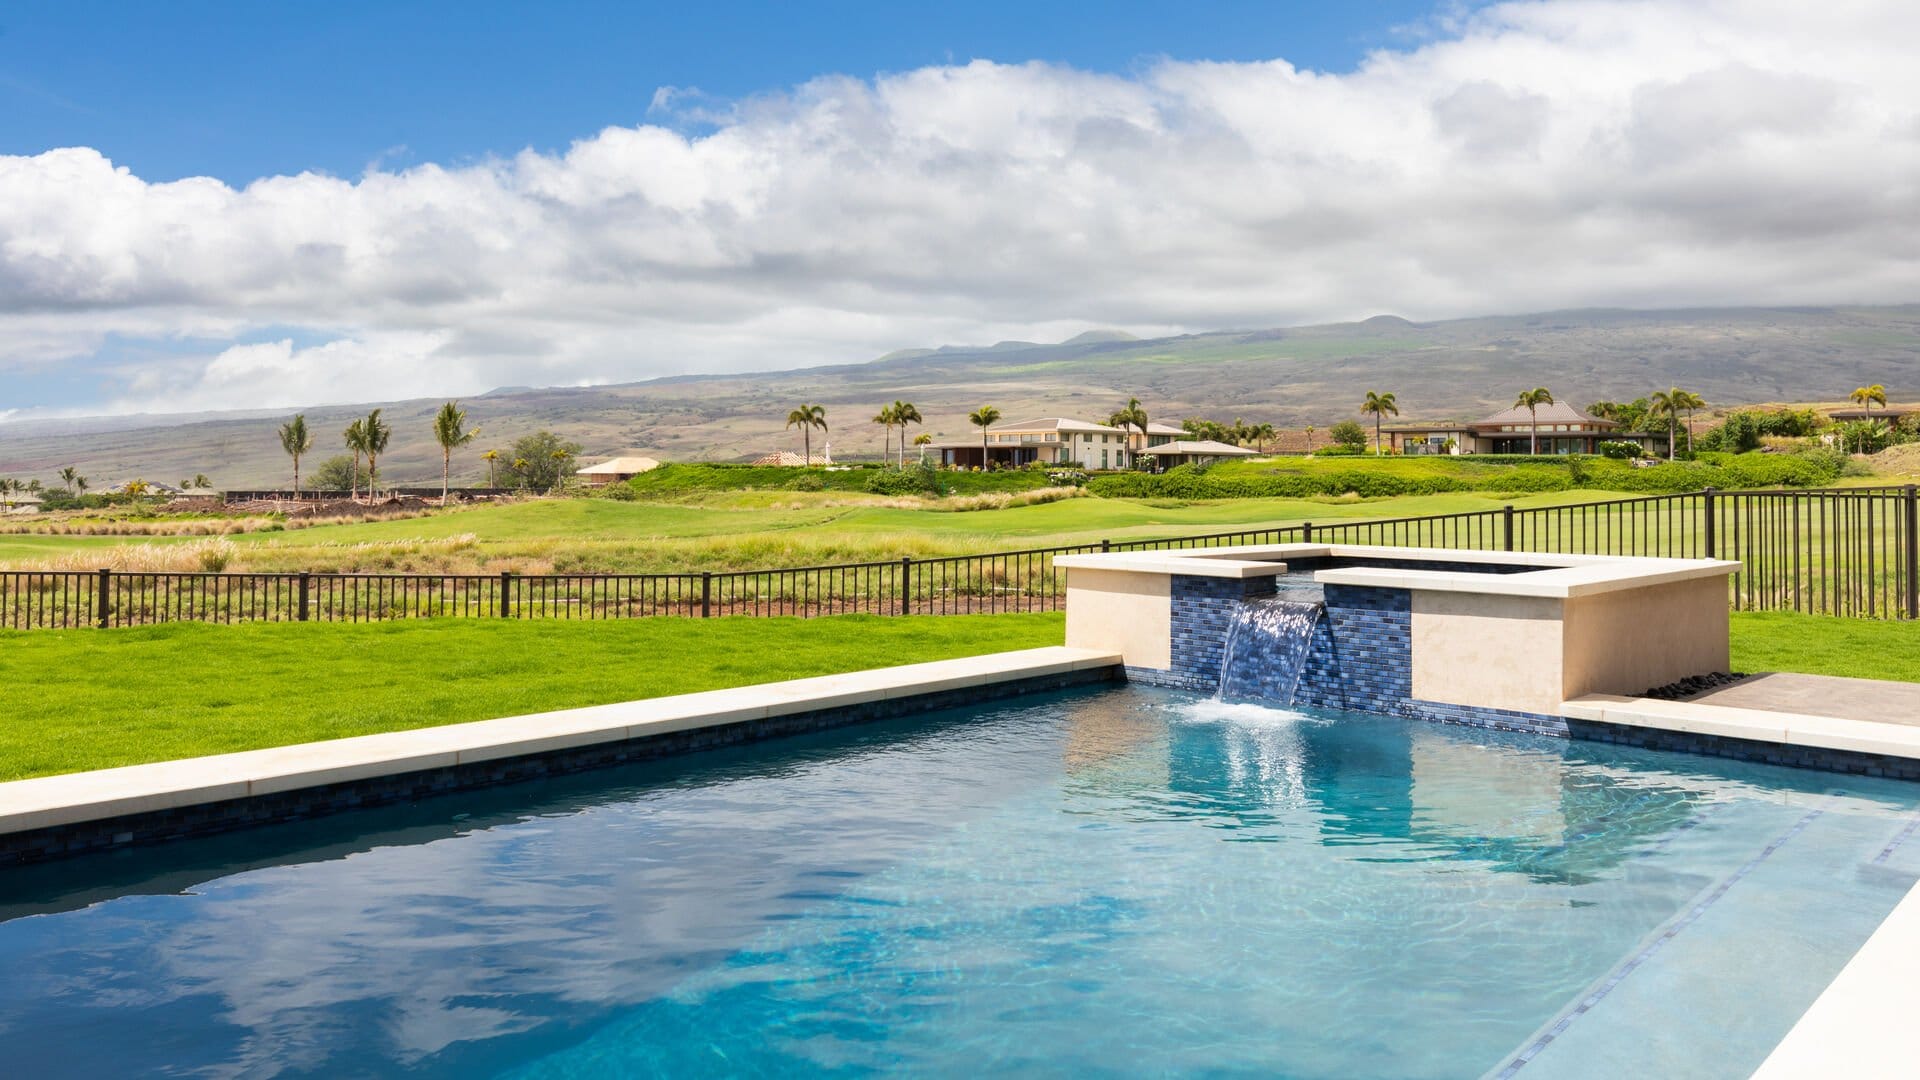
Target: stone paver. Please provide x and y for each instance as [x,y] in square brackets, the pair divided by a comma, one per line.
[1822,695]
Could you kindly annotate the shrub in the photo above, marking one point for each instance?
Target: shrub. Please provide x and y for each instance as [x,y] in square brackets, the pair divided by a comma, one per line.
[912,480]
[1349,433]
[1620,451]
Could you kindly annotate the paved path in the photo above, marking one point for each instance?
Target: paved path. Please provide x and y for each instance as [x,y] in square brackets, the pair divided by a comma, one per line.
[1822,695]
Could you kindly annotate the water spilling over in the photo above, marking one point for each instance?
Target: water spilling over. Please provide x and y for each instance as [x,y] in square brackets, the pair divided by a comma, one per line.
[1266,650]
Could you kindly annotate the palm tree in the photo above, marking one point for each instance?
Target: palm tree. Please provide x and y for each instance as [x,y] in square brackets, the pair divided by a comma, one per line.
[69,476]
[296,440]
[1690,401]
[79,484]
[356,439]
[1309,438]
[983,418]
[1531,400]
[450,431]
[1379,405]
[903,414]
[1668,403]
[923,440]
[1865,396]
[886,419]
[1131,416]
[378,432]
[806,418]
[8,486]
[1262,434]
[490,457]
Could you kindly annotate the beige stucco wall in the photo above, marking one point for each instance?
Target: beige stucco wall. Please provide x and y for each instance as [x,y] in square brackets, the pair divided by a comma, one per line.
[1496,652]
[1625,642]
[1122,611]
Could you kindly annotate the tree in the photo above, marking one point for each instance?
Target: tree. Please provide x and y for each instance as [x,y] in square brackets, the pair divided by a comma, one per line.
[1350,434]
[1866,396]
[923,440]
[983,418]
[1690,401]
[296,440]
[1263,434]
[542,460]
[1131,415]
[1309,438]
[337,473]
[1379,405]
[450,431]
[1669,403]
[356,439]
[199,482]
[1531,400]
[806,418]
[886,418]
[491,457]
[378,432]
[8,486]
[71,480]
[904,413]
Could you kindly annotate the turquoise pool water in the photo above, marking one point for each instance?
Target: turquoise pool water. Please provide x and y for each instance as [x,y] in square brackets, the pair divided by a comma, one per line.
[1103,882]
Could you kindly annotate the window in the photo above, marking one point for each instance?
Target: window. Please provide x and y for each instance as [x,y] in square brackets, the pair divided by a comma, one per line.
[1103,459]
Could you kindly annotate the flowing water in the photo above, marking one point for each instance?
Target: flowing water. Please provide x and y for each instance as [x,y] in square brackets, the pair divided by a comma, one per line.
[1266,651]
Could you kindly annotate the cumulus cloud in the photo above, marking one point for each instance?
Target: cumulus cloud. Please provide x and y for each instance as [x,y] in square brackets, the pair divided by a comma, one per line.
[1581,152]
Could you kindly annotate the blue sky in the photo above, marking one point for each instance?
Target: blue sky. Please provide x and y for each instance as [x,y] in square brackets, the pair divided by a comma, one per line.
[239,90]
[236,205]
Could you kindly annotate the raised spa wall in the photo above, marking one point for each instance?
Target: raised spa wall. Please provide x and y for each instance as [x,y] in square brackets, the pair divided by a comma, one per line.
[1491,639]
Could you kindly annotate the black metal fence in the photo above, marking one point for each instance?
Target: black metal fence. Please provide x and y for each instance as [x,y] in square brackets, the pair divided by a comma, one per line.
[1847,551]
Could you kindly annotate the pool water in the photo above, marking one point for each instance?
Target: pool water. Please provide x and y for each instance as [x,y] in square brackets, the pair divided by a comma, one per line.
[1101,882]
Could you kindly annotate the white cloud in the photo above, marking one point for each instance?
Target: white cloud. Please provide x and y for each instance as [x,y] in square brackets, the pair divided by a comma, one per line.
[1545,155]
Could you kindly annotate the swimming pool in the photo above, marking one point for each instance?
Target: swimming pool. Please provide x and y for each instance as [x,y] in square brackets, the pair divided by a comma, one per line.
[1106,881]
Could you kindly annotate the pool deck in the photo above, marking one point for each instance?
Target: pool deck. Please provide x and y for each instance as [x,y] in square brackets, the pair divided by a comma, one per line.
[1821,695]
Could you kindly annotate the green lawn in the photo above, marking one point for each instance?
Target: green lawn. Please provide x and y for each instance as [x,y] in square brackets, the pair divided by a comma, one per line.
[90,699]
[1823,645]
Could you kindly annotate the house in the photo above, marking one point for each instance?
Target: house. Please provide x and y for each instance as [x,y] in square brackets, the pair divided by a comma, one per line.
[20,502]
[617,471]
[1051,440]
[1562,429]
[1173,452]
[1889,413]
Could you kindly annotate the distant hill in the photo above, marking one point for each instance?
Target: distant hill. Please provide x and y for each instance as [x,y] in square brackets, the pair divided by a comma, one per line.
[1288,376]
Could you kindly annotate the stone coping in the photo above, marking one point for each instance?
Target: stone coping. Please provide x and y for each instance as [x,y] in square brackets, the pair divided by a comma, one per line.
[1555,576]
[1861,1026]
[52,801]
[1756,725]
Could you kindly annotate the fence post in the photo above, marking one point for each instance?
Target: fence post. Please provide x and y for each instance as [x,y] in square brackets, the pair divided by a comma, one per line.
[100,597]
[1106,546]
[306,590]
[1710,524]
[706,594]
[906,584]
[1506,526]
[1911,499]
[1306,532]
[506,594]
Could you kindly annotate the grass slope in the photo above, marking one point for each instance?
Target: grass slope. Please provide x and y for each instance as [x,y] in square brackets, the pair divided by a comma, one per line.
[92,700]
[1822,645]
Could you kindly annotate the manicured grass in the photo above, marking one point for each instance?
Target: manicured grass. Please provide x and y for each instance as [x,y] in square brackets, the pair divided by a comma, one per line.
[1823,645]
[95,699]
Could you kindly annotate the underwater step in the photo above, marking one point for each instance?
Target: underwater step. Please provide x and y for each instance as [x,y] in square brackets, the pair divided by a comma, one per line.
[1266,649]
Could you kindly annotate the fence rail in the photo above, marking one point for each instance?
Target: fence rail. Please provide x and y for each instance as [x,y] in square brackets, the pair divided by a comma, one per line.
[1845,551]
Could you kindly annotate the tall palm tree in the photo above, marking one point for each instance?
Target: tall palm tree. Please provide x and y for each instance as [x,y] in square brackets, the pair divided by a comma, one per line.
[1690,401]
[923,440]
[491,457]
[983,418]
[806,418]
[79,484]
[904,413]
[1379,405]
[886,418]
[1309,438]
[378,432]
[356,440]
[450,431]
[67,477]
[8,486]
[1263,434]
[1865,396]
[1668,403]
[1531,400]
[296,440]
[1132,415]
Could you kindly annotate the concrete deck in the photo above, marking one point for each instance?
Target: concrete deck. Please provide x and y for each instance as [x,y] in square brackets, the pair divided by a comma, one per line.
[1821,695]
[1701,717]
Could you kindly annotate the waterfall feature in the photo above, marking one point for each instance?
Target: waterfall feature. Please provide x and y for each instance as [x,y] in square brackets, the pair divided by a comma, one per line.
[1266,649]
